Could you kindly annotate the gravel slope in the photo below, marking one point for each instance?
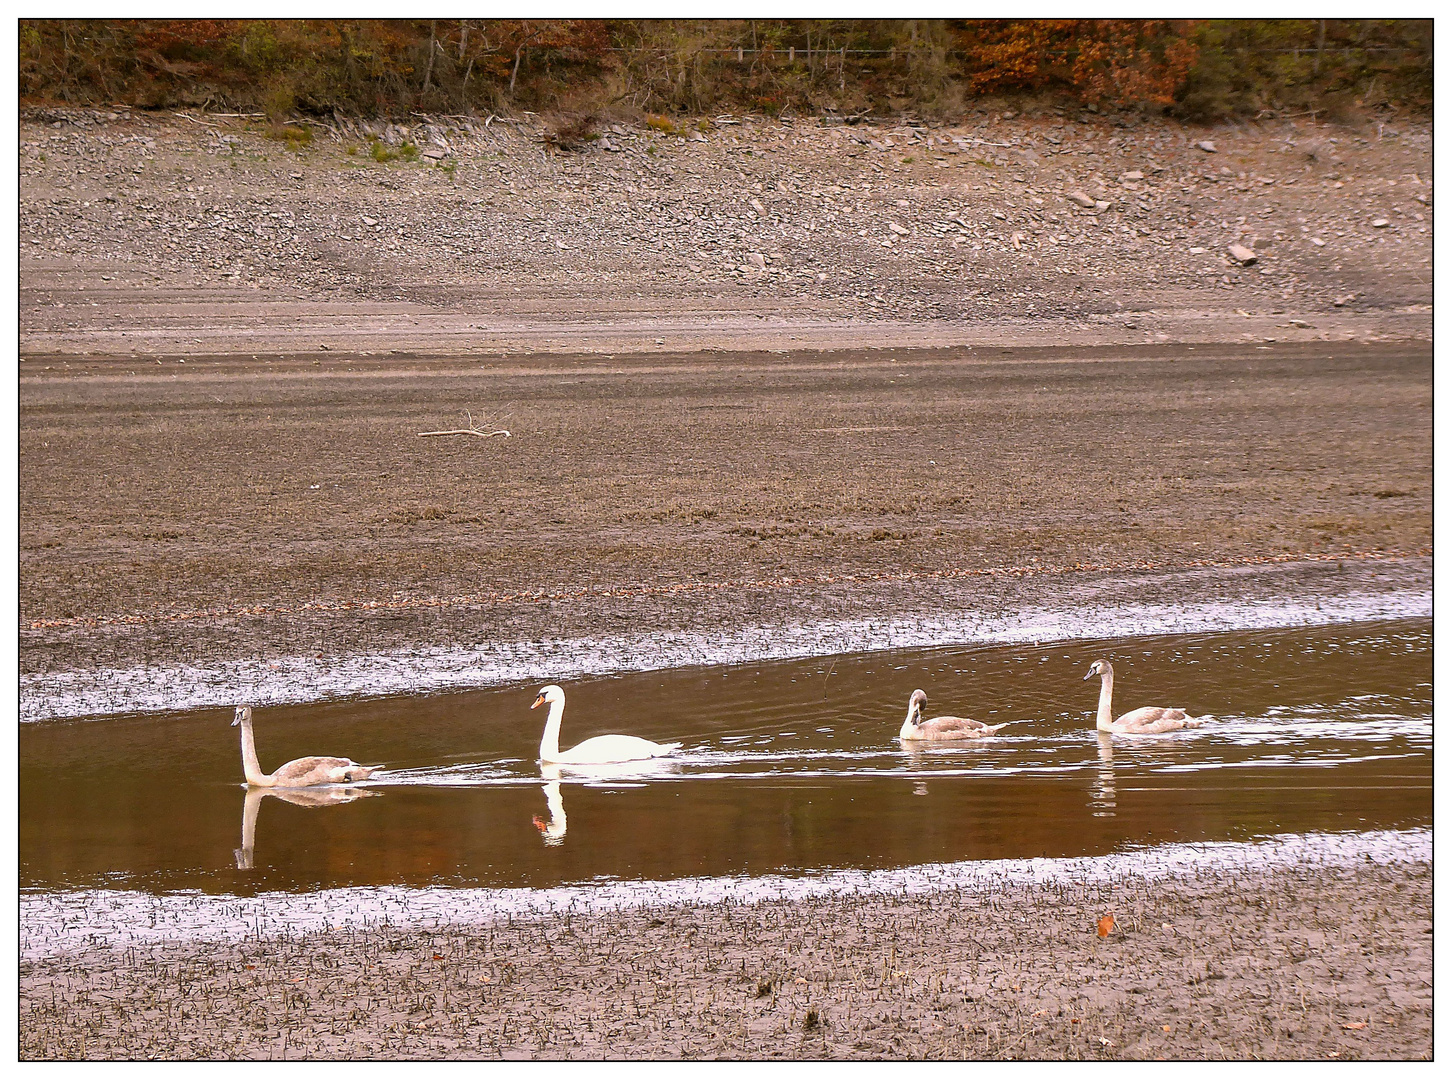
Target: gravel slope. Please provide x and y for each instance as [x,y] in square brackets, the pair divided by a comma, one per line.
[160,232]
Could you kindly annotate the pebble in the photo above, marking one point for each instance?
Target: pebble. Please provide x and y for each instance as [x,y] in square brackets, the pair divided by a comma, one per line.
[1206,145]
[1242,254]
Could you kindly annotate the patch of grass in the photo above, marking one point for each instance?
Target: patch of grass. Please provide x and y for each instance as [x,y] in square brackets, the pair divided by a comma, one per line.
[662,124]
[408,152]
[380,153]
[296,137]
[447,167]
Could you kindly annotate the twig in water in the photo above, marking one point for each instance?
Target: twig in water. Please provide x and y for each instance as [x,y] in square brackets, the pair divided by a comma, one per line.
[824,681]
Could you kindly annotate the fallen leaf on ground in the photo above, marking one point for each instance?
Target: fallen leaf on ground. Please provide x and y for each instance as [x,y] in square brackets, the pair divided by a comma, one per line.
[1106,925]
[1165,1027]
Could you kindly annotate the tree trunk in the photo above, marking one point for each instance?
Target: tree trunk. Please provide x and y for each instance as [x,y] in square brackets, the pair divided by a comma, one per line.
[433,44]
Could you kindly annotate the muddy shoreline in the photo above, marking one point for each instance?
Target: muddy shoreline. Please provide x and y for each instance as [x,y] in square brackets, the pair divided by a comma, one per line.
[223,511]
[433,648]
[1318,955]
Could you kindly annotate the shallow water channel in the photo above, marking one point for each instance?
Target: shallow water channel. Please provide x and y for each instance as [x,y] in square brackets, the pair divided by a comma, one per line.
[787,767]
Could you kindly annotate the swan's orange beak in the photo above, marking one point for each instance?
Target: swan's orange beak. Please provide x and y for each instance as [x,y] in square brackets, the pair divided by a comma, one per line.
[538,701]
[540,823]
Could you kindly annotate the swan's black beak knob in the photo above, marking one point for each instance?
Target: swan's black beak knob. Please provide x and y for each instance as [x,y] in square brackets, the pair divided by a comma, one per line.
[1088,675]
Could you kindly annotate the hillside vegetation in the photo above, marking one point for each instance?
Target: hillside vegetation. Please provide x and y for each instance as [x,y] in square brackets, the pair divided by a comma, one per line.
[1196,69]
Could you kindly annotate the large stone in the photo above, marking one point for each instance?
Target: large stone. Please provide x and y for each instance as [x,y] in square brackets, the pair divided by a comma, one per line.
[1206,145]
[1242,255]
[1079,198]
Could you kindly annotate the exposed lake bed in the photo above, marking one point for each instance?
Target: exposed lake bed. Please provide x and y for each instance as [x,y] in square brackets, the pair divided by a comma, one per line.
[1281,584]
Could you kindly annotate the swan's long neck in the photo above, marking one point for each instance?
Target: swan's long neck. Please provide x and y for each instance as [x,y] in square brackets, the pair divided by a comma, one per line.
[1106,691]
[908,725]
[549,746]
[250,768]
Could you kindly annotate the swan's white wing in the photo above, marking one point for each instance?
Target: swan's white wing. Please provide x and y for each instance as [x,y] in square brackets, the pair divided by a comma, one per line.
[603,749]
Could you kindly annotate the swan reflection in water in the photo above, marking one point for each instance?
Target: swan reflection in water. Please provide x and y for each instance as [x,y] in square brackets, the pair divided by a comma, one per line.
[1104,790]
[311,796]
[552,829]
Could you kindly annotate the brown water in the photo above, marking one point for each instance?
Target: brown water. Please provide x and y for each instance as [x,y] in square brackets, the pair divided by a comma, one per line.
[787,767]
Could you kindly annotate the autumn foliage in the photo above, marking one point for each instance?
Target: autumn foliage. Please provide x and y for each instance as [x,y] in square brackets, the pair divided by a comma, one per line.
[674,66]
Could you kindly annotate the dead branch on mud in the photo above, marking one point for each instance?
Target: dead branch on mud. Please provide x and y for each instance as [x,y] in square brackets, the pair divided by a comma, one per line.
[470,430]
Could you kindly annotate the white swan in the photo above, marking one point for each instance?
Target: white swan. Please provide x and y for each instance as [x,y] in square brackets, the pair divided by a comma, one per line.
[303,772]
[600,750]
[1146,721]
[942,728]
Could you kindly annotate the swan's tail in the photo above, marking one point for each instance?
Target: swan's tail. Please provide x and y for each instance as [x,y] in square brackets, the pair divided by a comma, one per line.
[668,748]
[1196,721]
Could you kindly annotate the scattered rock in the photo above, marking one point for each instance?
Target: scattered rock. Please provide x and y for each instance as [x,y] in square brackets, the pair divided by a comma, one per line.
[1318,241]
[1134,174]
[895,227]
[1242,255]
[756,205]
[1081,199]
[1380,223]
[756,259]
[1206,145]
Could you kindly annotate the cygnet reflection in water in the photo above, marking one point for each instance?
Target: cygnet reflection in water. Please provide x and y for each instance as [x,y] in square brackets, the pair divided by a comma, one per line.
[311,797]
[1104,798]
